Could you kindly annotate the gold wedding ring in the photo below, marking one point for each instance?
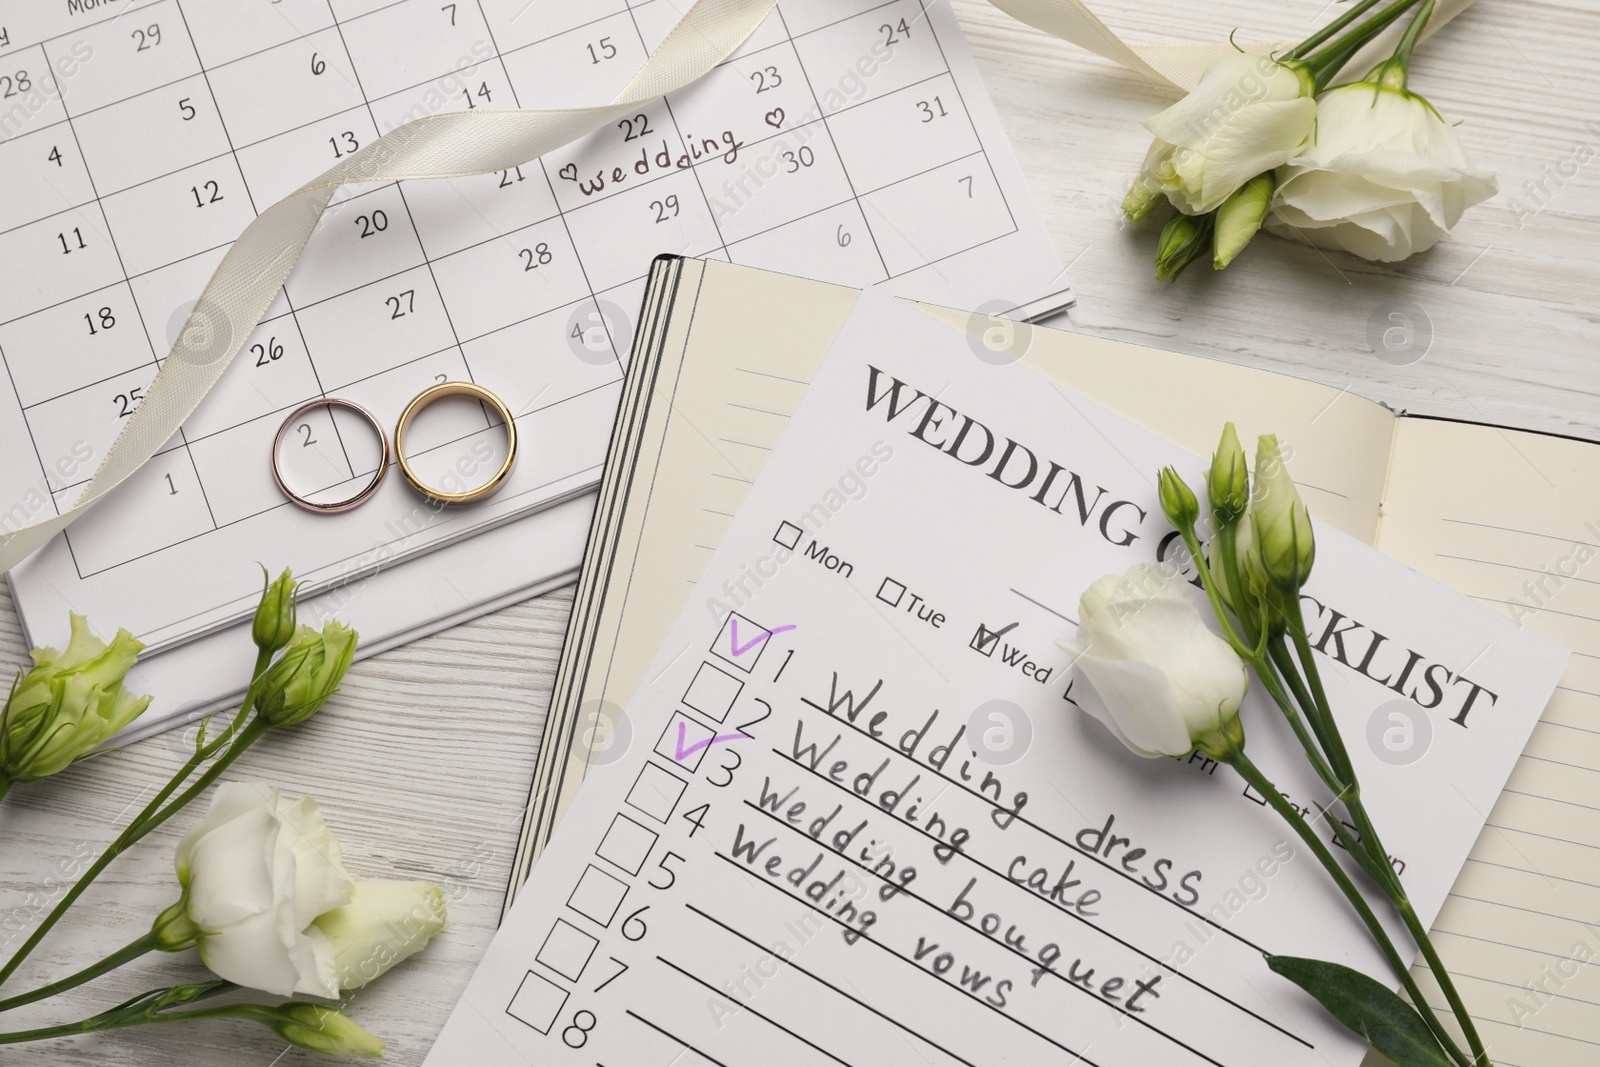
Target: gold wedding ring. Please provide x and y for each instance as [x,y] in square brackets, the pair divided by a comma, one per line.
[366,491]
[439,392]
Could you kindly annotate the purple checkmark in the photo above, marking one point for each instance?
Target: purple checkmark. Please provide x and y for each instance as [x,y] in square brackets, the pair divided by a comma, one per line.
[738,649]
[685,753]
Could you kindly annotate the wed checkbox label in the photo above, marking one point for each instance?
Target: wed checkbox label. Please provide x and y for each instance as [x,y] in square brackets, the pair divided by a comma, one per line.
[597,895]
[566,950]
[627,844]
[712,692]
[656,792]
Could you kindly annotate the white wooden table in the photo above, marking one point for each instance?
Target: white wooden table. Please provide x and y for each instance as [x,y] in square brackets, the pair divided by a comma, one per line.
[422,764]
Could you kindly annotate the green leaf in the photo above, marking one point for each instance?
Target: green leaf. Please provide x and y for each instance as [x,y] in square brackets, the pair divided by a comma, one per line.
[1370,1009]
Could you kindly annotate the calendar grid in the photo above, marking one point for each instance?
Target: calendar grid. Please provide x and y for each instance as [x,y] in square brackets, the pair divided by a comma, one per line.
[255,209]
[566,227]
[180,142]
[376,374]
[823,118]
[288,315]
[233,149]
[127,283]
[965,110]
[427,261]
[722,240]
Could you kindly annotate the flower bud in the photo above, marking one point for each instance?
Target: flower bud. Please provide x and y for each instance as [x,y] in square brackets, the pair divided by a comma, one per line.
[274,626]
[68,704]
[319,1029]
[174,930]
[1228,483]
[1183,238]
[1240,216]
[1142,199]
[296,687]
[384,923]
[1178,502]
[1284,545]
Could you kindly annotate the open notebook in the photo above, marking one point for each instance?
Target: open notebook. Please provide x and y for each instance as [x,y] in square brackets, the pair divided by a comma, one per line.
[1508,517]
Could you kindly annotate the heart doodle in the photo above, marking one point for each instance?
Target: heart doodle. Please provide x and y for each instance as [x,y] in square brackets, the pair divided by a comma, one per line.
[775,118]
[569,172]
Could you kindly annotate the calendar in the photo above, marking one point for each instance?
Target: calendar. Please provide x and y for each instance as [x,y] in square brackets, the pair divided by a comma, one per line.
[846,140]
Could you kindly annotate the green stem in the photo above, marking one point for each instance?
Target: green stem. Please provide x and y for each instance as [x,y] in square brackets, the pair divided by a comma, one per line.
[1213,594]
[1310,43]
[1251,653]
[92,1025]
[1266,670]
[5,786]
[1391,73]
[151,1007]
[1228,546]
[1395,891]
[1327,729]
[147,822]
[1258,781]
[1419,933]
[1326,61]
[126,954]
[205,752]
[1318,749]
[1378,856]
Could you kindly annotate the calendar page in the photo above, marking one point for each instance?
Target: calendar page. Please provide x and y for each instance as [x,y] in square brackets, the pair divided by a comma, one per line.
[848,140]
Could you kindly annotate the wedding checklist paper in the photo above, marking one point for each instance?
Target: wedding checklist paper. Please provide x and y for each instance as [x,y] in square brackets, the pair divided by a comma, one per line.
[850,140]
[861,817]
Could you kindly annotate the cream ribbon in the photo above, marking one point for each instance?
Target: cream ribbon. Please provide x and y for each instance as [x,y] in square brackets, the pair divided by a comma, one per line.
[463,143]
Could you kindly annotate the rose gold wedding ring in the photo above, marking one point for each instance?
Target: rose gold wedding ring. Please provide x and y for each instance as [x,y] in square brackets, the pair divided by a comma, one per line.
[339,505]
[436,393]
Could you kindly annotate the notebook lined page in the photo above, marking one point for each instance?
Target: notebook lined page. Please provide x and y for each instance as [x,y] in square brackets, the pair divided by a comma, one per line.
[1513,520]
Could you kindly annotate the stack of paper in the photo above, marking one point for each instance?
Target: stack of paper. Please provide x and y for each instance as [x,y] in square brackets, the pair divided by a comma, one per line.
[855,753]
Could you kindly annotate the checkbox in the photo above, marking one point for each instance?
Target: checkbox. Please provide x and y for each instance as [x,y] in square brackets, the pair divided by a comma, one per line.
[712,692]
[684,742]
[566,950]
[985,641]
[627,844]
[890,592]
[538,1002]
[788,535]
[656,792]
[740,642]
[597,895]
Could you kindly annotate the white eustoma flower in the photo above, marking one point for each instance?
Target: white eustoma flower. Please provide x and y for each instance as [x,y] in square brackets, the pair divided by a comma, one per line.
[1248,114]
[1168,682]
[384,923]
[256,874]
[1384,177]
